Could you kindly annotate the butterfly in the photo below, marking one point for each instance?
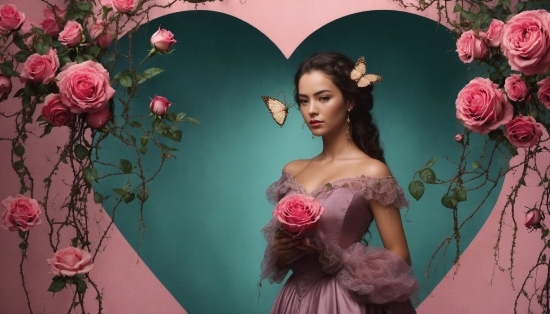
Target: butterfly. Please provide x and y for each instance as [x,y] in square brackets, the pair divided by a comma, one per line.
[359,74]
[277,108]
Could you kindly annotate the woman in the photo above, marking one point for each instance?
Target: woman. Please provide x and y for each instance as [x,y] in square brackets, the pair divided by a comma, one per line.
[333,272]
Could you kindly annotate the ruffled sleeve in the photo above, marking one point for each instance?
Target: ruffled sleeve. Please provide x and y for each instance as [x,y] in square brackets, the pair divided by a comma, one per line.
[372,274]
[269,263]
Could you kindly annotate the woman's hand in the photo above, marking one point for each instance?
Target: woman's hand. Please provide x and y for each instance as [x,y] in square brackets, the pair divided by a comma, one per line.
[286,247]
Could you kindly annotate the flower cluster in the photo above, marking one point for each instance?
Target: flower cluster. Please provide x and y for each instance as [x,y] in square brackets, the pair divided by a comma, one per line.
[65,70]
[483,105]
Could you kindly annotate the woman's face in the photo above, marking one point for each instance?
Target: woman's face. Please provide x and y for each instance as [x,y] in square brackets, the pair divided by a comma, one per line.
[322,105]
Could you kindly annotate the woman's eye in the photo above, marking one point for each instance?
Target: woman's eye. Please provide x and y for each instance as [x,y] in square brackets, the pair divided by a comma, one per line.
[325,98]
[303,101]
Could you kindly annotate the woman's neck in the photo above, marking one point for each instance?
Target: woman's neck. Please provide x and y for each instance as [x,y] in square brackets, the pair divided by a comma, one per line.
[337,146]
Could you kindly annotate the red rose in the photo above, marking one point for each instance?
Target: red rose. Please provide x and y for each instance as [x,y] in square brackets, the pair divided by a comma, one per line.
[298,213]
[482,107]
[70,261]
[523,132]
[55,112]
[21,213]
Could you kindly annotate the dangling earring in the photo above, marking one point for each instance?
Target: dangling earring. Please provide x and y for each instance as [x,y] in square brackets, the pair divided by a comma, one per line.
[347,129]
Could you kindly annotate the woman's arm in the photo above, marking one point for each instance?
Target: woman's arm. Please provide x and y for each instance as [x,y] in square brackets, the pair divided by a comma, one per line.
[390,227]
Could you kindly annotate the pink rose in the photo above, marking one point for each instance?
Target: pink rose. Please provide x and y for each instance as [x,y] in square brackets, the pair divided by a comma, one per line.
[159,105]
[523,132]
[516,88]
[459,138]
[71,35]
[470,47]
[21,213]
[544,92]
[40,69]
[70,261]
[532,219]
[298,213]
[55,12]
[5,87]
[494,33]
[162,40]
[124,6]
[482,107]
[98,119]
[526,40]
[102,33]
[50,27]
[84,87]
[55,112]
[10,18]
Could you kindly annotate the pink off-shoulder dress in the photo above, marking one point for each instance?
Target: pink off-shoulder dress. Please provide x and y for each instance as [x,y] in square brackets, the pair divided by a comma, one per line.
[345,276]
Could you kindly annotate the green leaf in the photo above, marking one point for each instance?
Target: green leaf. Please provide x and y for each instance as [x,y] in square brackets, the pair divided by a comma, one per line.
[193,120]
[23,245]
[449,201]
[460,194]
[176,133]
[125,166]
[120,192]
[171,117]
[18,165]
[431,162]
[135,124]
[6,69]
[95,51]
[58,283]
[144,140]
[98,197]
[42,48]
[143,195]
[143,150]
[467,15]
[74,242]
[26,101]
[90,174]
[544,233]
[416,188]
[47,129]
[476,165]
[457,8]
[81,286]
[19,150]
[149,73]
[22,234]
[21,56]
[129,197]
[427,175]
[180,116]
[125,81]
[80,151]
[496,135]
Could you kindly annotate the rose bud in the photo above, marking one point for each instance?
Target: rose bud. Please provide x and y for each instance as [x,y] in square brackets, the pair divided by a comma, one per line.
[98,119]
[459,138]
[162,40]
[532,219]
[159,105]
[5,87]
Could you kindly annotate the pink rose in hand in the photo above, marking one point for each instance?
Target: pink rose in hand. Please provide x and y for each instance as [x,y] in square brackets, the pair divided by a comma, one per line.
[5,87]
[162,40]
[532,219]
[159,105]
[298,213]
[482,107]
[40,69]
[544,92]
[98,119]
[470,47]
[10,18]
[102,33]
[21,213]
[71,35]
[55,112]
[70,261]
[526,42]
[494,33]
[516,88]
[124,6]
[523,132]
[84,87]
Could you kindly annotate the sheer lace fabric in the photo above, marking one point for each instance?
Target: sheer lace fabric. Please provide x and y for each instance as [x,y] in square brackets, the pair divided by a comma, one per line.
[367,275]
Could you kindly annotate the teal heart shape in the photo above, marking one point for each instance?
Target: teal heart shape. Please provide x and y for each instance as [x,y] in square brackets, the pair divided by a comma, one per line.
[207,207]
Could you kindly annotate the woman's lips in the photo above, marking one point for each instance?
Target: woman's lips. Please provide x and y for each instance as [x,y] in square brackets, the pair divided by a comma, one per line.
[315,123]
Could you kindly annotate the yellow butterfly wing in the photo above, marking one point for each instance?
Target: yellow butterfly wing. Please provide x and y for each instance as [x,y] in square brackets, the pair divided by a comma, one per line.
[278,110]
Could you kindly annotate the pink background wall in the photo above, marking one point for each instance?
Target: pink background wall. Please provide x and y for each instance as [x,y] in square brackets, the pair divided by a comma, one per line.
[475,287]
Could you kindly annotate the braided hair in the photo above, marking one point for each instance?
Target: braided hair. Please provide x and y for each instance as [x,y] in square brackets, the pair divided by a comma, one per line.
[338,68]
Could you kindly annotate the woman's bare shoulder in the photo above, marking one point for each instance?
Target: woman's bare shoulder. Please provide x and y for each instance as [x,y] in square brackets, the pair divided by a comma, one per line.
[374,168]
[295,166]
